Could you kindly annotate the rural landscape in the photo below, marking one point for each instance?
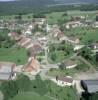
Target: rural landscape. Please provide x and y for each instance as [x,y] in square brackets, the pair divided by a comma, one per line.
[48,50]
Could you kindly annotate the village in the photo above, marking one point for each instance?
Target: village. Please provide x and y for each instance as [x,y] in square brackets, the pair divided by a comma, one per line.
[54,52]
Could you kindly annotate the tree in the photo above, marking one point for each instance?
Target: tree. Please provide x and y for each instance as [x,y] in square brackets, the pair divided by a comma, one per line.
[86,53]
[65,14]
[19,31]
[97,18]
[53,56]
[9,89]
[19,16]
[39,15]
[61,66]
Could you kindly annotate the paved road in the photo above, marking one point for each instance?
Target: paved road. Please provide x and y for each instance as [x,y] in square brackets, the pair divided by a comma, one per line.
[45,69]
[86,76]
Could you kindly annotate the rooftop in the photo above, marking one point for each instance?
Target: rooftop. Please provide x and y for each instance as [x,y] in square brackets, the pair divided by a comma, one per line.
[32,65]
[69,63]
[65,79]
[6,69]
[92,85]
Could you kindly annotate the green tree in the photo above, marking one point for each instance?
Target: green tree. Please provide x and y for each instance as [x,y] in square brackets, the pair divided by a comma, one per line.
[97,18]
[9,89]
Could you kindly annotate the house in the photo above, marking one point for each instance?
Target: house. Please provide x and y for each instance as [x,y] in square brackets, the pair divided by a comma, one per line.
[23,41]
[95,25]
[70,40]
[78,47]
[88,23]
[57,33]
[69,64]
[43,40]
[94,47]
[73,24]
[90,86]
[35,49]
[32,66]
[39,22]
[7,70]
[28,32]
[14,36]
[63,81]
[74,40]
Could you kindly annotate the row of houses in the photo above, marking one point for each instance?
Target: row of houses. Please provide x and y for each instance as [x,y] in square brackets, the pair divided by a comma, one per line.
[58,34]
[74,24]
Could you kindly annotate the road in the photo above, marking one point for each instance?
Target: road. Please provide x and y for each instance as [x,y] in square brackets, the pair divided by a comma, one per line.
[45,69]
[86,76]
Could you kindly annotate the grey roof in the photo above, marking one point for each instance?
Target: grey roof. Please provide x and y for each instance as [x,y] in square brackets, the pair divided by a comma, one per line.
[69,63]
[92,85]
[5,76]
[5,70]
[66,79]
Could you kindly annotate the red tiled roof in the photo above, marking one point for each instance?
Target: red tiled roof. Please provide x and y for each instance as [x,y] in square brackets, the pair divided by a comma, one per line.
[32,65]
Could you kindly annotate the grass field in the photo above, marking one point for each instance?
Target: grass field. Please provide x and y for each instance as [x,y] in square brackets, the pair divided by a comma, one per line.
[56,72]
[30,96]
[90,14]
[63,93]
[81,67]
[66,93]
[59,56]
[55,16]
[85,34]
[18,56]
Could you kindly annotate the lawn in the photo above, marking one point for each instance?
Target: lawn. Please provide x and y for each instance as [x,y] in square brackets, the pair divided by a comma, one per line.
[37,90]
[55,16]
[27,17]
[85,34]
[16,55]
[58,72]
[63,93]
[30,96]
[81,67]
[66,93]
[90,14]
[59,52]
[59,56]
